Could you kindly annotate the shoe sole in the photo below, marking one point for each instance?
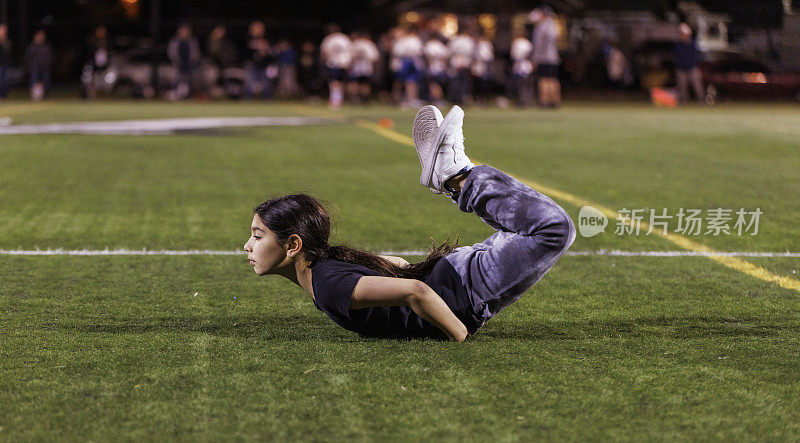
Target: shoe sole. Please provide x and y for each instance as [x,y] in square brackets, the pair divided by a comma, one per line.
[417,132]
[427,172]
[425,147]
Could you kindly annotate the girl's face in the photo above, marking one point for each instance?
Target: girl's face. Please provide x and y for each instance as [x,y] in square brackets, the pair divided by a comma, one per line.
[263,250]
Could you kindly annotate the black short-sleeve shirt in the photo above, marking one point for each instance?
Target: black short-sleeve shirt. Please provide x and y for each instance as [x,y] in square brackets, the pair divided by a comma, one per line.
[333,282]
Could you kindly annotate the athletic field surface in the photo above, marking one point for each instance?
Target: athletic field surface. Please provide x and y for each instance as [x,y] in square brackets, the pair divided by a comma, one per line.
[128,310]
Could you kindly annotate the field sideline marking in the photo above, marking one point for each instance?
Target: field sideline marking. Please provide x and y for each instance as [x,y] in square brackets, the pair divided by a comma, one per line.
[161,126]
[600,252]
[679,240]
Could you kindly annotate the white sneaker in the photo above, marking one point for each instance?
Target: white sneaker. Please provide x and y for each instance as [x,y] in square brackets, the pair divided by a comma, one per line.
[450,158]
[424,133]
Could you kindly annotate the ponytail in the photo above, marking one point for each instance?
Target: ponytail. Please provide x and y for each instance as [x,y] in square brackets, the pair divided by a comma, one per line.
[375,262]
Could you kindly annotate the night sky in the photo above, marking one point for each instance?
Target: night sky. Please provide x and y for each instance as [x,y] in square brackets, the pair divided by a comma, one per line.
[309,14]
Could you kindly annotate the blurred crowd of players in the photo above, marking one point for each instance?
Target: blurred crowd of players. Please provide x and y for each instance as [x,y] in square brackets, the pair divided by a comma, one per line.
[428,66]
[405,65]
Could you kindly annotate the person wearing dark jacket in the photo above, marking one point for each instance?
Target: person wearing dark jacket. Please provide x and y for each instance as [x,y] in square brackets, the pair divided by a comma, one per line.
[5,60]
[39,61]
[184,53]
[309,69]
[258,64]
[97,60]
[687,62]
[221,49]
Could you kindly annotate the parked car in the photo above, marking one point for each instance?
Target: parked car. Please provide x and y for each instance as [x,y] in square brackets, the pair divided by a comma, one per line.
[736,76]
[129,74]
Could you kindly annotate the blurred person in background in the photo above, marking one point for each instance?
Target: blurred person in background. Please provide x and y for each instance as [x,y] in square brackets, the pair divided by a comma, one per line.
[308,73]
[286,57]
[39,62]
[437,55]
[482,68]
[258,60]
[183,51]
[522,69]
[365,56]
[617,66]
[221,49]
[98,58]
[687,65]
[545,56]
[462,50]
[394,85]
[336,50]
[408,49]
[5,60]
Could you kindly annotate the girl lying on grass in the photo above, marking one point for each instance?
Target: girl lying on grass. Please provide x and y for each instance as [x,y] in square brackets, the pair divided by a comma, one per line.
[454,291]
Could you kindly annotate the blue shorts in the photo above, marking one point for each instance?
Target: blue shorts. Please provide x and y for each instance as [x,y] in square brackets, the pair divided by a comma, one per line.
[545,70]
[337,74]
[408,71]
[361,79]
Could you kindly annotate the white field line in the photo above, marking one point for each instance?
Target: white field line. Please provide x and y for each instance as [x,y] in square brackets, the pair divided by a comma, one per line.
[159,126]
[600,252]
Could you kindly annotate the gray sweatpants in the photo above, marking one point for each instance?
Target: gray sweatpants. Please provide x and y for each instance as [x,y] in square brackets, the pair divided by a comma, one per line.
[532,233]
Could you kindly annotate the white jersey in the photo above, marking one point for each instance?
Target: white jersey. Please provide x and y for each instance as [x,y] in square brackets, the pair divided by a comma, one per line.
[408,46]
[462,48]
[545,42]
[616,64]
[337,51]
[365,54]
[437,55]
[521,50]
[483,58]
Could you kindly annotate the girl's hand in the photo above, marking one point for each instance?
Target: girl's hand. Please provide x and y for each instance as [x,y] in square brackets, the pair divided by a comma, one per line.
[398,261]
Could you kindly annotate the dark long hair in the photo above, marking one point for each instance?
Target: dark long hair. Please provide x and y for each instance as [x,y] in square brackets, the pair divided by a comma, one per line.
[303,215]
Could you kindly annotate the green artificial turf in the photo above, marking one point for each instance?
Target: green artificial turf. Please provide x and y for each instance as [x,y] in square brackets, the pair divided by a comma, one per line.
[619,348]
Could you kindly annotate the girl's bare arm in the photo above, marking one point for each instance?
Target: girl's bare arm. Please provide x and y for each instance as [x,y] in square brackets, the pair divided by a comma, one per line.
[373,291]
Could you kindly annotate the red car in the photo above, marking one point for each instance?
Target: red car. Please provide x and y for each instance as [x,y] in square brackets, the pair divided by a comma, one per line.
[740,77]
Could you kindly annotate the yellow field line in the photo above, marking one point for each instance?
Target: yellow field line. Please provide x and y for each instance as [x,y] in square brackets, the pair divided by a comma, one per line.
[679,240]
[385,132]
